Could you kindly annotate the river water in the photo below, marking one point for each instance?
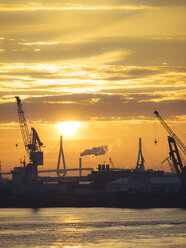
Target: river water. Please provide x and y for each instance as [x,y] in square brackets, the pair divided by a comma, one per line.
[92,227]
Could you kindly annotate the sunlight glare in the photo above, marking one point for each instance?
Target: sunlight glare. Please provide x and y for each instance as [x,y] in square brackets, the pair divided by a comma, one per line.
[68,128]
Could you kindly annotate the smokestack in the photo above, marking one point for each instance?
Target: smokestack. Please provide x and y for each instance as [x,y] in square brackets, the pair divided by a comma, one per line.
[80,164]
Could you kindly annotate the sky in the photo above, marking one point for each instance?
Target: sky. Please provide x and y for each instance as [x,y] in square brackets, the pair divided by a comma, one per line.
[106,63]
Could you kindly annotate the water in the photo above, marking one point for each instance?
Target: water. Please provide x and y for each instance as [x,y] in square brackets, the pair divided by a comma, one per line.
[92,227]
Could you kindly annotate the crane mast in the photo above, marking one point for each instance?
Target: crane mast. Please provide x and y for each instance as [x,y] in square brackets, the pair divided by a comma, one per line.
[171,133]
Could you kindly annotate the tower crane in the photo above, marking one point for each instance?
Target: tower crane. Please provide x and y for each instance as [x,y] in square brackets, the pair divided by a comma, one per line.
[173,141]
[31,139]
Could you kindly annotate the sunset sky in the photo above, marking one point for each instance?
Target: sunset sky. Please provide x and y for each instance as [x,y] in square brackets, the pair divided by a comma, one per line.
[106,63]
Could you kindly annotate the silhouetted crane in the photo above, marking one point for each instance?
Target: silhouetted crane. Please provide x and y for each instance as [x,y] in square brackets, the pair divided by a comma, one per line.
[171,133]
[31,139]
[173,141]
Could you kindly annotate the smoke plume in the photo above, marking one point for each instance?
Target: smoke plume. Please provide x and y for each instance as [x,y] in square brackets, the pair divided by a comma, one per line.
[96,151]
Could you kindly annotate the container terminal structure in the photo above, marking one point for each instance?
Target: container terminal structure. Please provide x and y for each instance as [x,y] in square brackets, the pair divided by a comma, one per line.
[105,186]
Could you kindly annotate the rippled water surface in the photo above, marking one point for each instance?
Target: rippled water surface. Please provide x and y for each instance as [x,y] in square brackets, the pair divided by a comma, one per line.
[92,227]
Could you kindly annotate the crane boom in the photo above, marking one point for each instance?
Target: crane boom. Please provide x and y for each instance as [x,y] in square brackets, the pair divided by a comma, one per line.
[171,133]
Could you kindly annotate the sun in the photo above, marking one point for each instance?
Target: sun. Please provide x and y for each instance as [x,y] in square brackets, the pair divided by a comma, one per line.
[68,128]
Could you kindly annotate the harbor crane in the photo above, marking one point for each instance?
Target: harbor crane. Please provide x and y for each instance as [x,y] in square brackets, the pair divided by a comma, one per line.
[171,133]
[31,140]
[173,141]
